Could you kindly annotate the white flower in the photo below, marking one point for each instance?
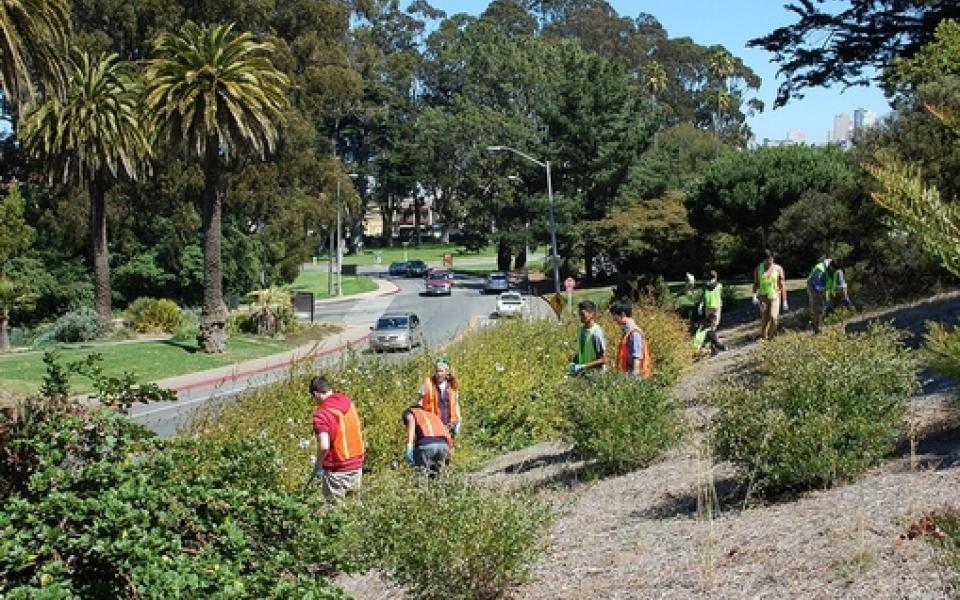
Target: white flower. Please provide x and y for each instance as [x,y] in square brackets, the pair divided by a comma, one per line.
[304,443]
[499,367]
[290,420]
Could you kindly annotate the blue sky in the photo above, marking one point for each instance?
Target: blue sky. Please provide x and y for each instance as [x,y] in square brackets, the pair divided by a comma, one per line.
[731,23]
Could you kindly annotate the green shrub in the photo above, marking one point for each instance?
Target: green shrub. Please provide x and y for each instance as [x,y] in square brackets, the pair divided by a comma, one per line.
[150,315]
[449,539]
[622,422]
[665,331]
[825,408]
[942,349]
[81,325]
[943,533]
[189,327]
[93,506]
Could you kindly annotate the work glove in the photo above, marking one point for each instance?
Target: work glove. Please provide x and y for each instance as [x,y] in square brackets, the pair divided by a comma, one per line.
[756,301]
[318,472]
[847,303]
[455,429]
[786,307]
[574,369]
[410,454]
[700,309]
[827,306]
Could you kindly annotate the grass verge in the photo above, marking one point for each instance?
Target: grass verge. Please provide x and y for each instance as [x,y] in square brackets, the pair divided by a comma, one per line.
[317,282]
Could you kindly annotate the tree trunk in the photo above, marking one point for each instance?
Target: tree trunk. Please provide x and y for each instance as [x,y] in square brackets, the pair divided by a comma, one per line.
[213,322]
[98,248]
[588,254]
[386,216]
[416,217]
[521,259]
[4,332]
[503,255]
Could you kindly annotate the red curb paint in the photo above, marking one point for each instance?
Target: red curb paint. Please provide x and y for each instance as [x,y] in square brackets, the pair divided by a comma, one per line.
[287,364]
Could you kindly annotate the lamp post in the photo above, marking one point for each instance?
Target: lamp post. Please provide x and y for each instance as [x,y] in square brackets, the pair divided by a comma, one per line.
[554,258]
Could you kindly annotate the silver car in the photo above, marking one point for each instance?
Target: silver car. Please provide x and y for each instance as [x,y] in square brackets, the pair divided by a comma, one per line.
[396,331]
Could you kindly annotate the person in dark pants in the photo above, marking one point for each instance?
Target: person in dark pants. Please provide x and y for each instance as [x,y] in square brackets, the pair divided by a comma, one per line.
[429,445]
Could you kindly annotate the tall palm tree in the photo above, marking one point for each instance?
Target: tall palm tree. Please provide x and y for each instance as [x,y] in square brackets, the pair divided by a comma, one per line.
[655,82]
[33,44]
[92,136]
[721,67]
[216,93]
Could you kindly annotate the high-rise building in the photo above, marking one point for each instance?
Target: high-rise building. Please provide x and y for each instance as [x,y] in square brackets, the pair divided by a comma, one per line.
[796,136]
[863,118]
[841,129]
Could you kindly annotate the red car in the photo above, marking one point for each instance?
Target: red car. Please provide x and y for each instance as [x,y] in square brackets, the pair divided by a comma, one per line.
[439,283]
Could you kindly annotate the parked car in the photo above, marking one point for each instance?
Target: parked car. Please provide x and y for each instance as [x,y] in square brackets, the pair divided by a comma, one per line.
[439,283]
[416,268]
[398,268]
[396,331]
[510,304]
[496,282]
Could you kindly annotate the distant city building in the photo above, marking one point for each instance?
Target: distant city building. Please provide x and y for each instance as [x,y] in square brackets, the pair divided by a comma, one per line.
[863,118]
[796,136]
[842,126]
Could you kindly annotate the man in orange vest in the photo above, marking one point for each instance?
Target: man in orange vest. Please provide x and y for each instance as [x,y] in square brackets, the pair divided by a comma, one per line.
[340,447]
[429,444]
[633,355]
[439,395]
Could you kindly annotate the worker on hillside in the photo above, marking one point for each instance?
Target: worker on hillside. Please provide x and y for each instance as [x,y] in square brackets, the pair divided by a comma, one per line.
[633,354]
[837,293]
[429,445]
[340,447]
[709,309]
[591,350]
[439,395]
[769,294]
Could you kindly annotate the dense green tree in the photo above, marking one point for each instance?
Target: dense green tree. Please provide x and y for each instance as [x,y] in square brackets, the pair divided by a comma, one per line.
[849,42]
[743,194]
[679,159]
[216,93]
[92,136]
[16,236]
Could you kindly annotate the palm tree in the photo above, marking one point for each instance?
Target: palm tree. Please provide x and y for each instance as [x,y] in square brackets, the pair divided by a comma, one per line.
[655,82]
[33,43]
[215,93]
[91,136]
[721,67]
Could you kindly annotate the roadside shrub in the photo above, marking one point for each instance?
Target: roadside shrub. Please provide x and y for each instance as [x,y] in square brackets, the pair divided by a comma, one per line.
[944,536]
[150,315]
[942,349]
[450,539]
[81,325]
[665,331]
[622,422]
[824,409]
[270,315]
[94,506]
[189,327]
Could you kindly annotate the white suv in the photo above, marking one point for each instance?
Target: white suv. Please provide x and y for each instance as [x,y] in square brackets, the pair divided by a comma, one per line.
[510,304]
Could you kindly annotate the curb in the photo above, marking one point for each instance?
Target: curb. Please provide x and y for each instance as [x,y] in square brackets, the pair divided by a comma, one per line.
[310,357]
[364,295]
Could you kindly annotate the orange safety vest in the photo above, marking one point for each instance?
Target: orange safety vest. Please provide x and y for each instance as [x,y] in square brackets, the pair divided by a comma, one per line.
[347,443]
[431,400]
[623,355]
[429,425]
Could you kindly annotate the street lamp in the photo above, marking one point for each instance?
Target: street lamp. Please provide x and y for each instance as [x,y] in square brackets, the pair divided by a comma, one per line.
[340,237]
[553,221]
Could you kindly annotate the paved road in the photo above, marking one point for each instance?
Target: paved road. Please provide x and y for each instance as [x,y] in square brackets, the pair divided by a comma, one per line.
[444,318]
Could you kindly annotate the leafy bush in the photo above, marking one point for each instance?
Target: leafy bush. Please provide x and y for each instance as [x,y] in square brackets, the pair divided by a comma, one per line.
[93,506]
[271,314]
[825,408]
[81,325]
[665,331]
[944,536]
[507,397]
[150,315]
[622,422]
[942,349]
[449,539]
[189,327]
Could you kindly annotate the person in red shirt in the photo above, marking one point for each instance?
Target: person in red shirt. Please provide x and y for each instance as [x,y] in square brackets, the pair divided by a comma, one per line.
[340,447]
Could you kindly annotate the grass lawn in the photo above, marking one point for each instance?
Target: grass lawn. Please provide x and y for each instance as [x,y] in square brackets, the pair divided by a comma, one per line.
[426,253]
[22,373]
[316,282]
